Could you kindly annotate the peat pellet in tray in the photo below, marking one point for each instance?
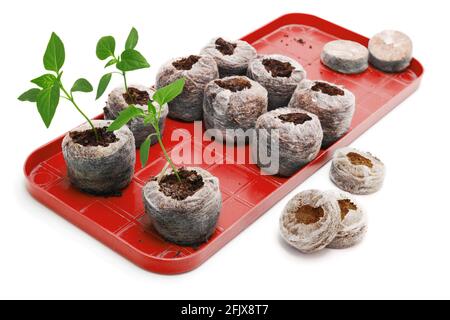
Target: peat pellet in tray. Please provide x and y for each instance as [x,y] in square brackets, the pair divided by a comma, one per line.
[137,95]
[354,223]
[333,104]
[345,56]
[390,51]
[310,221]
[288,139]
[279,74]
[99,169]
[233,103]
[232,57]
[179,216]
[357,172]
[198,71]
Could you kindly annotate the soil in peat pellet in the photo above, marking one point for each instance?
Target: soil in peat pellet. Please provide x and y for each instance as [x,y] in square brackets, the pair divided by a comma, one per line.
[226,48]
[278,68]
[88,139]
[295,118]
[358,160]
[308,215]
[235,84]
[190,183]
[136,96]
[327,89]
[186,63]
[346,205]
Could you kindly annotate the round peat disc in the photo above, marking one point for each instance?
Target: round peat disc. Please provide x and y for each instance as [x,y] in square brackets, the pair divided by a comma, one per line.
[345,56]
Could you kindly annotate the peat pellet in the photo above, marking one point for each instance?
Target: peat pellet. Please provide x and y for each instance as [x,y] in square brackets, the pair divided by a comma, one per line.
[345,56]
[357,172]
[333,104]
[233,103]
[118,100]
[310,221]
[184,213]
[197,71]
[390,51]
[279,74]
[353,226]
[288,139]
[232,57]
[103,167]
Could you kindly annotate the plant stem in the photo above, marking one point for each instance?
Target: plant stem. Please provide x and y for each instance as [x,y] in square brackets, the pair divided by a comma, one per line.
[71,99]
[166,155]
[125,80]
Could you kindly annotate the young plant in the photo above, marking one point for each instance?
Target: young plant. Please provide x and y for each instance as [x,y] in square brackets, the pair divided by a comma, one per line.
[50,86]
[129,60]
[162,96]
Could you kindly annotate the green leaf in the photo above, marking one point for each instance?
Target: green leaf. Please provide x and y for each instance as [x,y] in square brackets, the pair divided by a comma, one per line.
[132,39]
[132,60]
[105,47]
[82,85]
[144,151]
[125,116]
[152,110]
[169,92]
[103,84]
[30,95]
[54,54]
[47,101]
[111,62]
[45,81]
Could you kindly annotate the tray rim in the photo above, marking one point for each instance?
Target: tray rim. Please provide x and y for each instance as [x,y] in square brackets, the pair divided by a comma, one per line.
[192,261]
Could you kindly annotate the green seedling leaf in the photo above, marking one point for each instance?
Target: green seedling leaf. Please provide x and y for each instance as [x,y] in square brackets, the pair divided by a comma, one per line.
[132,60]
[144,151]
[54,54]
[105,47]
[152,110]
[132,39]
[125,116]
[82,85]
[30,95]
[45,81]
[169,92]
[111,62]
[103,84]
[47,101]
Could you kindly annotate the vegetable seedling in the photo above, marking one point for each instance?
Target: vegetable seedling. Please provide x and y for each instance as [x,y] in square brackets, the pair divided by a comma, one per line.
[162,96]
[50,87]
[129,60]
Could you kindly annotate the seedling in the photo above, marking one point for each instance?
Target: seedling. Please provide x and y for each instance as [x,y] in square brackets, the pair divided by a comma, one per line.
[162,96]
[129,60]
[51,88]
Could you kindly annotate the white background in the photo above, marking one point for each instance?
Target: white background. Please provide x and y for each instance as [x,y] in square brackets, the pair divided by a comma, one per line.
[406,253]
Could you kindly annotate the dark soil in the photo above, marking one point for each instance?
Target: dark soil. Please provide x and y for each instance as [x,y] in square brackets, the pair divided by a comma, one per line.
[328,89]
[136,96]
[358,160]
[190,183]
[186,63]
[346,205]
[235,84]
[278,68]
[225,47]
[87,138]
[295,118]
[300,40]
[308,215]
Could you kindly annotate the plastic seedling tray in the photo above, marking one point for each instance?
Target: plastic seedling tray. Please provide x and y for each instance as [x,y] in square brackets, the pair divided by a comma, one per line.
[121,223]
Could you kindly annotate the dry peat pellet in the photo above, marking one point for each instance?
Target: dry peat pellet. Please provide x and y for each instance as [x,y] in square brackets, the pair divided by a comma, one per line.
[232,57]
[390,51]
[357,172]
[310,221]
[345,56]
[234,102]
[279,74]
[197,71]
[139,96]
[333,104]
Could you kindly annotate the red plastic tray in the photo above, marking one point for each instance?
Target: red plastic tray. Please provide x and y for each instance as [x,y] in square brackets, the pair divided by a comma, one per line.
[121,223]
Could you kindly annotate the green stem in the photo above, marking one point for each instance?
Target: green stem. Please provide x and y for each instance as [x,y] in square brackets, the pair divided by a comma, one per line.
[125,80]
[174,169]
[71,99]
